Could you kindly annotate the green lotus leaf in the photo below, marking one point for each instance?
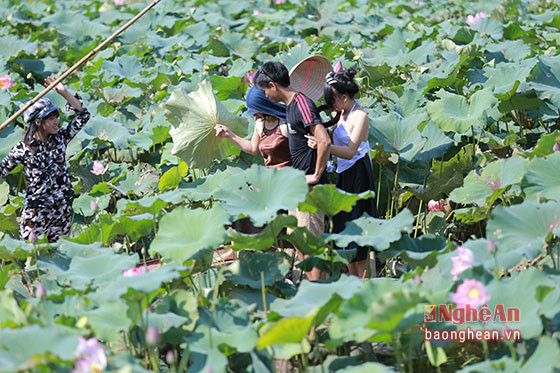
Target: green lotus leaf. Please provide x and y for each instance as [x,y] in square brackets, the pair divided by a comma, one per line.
[330,200]
[183,232]
[353,316]
[477,188]
[99,269]
[227,325]
[455,113]
[82,204]
[20,346]
[228,87]
[182,303]
[259,192]
[4,192]
[540,180]
[447,73]
[524,285]
[546,143]
[306,242]
[172,177]
[141,180]
[398,135]
[10,313]
[11,249]
[377,233]
[144,283]
[194,116]
[490,27]
[263,240]
[109,319]
[12,46]
[547,79]
[512,50]
[506,77]
[418,252]
[240,45]
[9,137]
[367,368]
[41,66]
[313,296]
[106,130]
[165,321]
[504,364]
[523,227]
[436,143]
[151,205]
[252,265]
[288,330]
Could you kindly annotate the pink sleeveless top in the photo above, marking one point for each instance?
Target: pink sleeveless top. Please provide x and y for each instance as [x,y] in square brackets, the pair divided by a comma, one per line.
[274,148]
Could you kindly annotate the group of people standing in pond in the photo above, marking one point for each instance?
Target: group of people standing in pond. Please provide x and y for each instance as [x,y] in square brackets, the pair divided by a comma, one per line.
[288,132]
[293,135]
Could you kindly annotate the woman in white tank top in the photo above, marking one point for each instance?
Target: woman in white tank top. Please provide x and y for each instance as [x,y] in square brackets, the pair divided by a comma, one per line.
[351,147]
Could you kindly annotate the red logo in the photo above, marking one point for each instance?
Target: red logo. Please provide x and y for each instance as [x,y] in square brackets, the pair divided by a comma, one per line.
[430,313]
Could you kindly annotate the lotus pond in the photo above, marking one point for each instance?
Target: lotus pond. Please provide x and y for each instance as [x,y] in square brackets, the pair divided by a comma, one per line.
[464,102]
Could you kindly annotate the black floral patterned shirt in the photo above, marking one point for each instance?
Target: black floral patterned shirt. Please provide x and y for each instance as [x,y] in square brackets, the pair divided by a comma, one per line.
[48,181]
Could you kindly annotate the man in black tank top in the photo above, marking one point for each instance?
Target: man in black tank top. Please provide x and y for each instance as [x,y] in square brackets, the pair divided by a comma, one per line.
[303,119]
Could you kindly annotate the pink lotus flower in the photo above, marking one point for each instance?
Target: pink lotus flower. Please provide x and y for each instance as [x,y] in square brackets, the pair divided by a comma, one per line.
[93,205]
[491,246]
[135,271]
[556,147]
[473,20]
[98,169]
[91,356]
[417,280]
[257,12]
[420,3]
[280,1]
[249,77]
[462,262]
[338,67]
[119,2]
[435,206]
[170,357]
[40,291]
[152,336]
[471,292]
[5,82]
[32,237]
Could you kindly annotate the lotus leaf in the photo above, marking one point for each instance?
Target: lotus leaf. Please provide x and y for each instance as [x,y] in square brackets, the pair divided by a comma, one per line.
[288,330]
[254,267]
[184,232]
[259,192]
[398,135]
[194,116]
[377,233]
[331,200]
[454,113]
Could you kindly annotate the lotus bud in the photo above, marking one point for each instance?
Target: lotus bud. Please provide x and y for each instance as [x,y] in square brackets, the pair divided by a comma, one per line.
[433,206]
[257,12]
[441,204]
[94,206]
[280,1]
[338,67]
[98,169]
[152,336]
[170,357]
[491,246]
[556,147]
[32,237]
[417,280]
[40,291]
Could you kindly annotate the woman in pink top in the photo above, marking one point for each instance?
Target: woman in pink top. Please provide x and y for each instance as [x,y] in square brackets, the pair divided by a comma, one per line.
[270,137]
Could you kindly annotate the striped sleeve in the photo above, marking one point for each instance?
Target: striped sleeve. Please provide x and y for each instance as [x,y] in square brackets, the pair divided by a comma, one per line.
[308,110]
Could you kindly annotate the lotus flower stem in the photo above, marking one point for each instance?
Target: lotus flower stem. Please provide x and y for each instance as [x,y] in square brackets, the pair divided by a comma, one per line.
[263,292]
[418,218]
[184,358]
[379,186]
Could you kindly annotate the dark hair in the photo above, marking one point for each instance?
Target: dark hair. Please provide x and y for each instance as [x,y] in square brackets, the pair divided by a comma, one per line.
[338,84]
[272,72]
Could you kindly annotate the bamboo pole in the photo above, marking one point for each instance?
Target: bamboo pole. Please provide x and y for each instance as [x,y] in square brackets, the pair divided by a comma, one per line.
[78,64]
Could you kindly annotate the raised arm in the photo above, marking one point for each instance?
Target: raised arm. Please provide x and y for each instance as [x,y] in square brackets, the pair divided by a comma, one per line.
[74,102]
[250,147]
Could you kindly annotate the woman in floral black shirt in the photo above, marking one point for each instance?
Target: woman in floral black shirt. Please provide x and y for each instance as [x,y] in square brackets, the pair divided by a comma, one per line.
[48,202]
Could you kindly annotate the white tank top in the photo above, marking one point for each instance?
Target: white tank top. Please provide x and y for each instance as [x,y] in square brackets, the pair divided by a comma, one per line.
[341,137]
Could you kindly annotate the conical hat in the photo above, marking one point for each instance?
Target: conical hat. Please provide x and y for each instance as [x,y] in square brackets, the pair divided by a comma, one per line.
[308,76]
